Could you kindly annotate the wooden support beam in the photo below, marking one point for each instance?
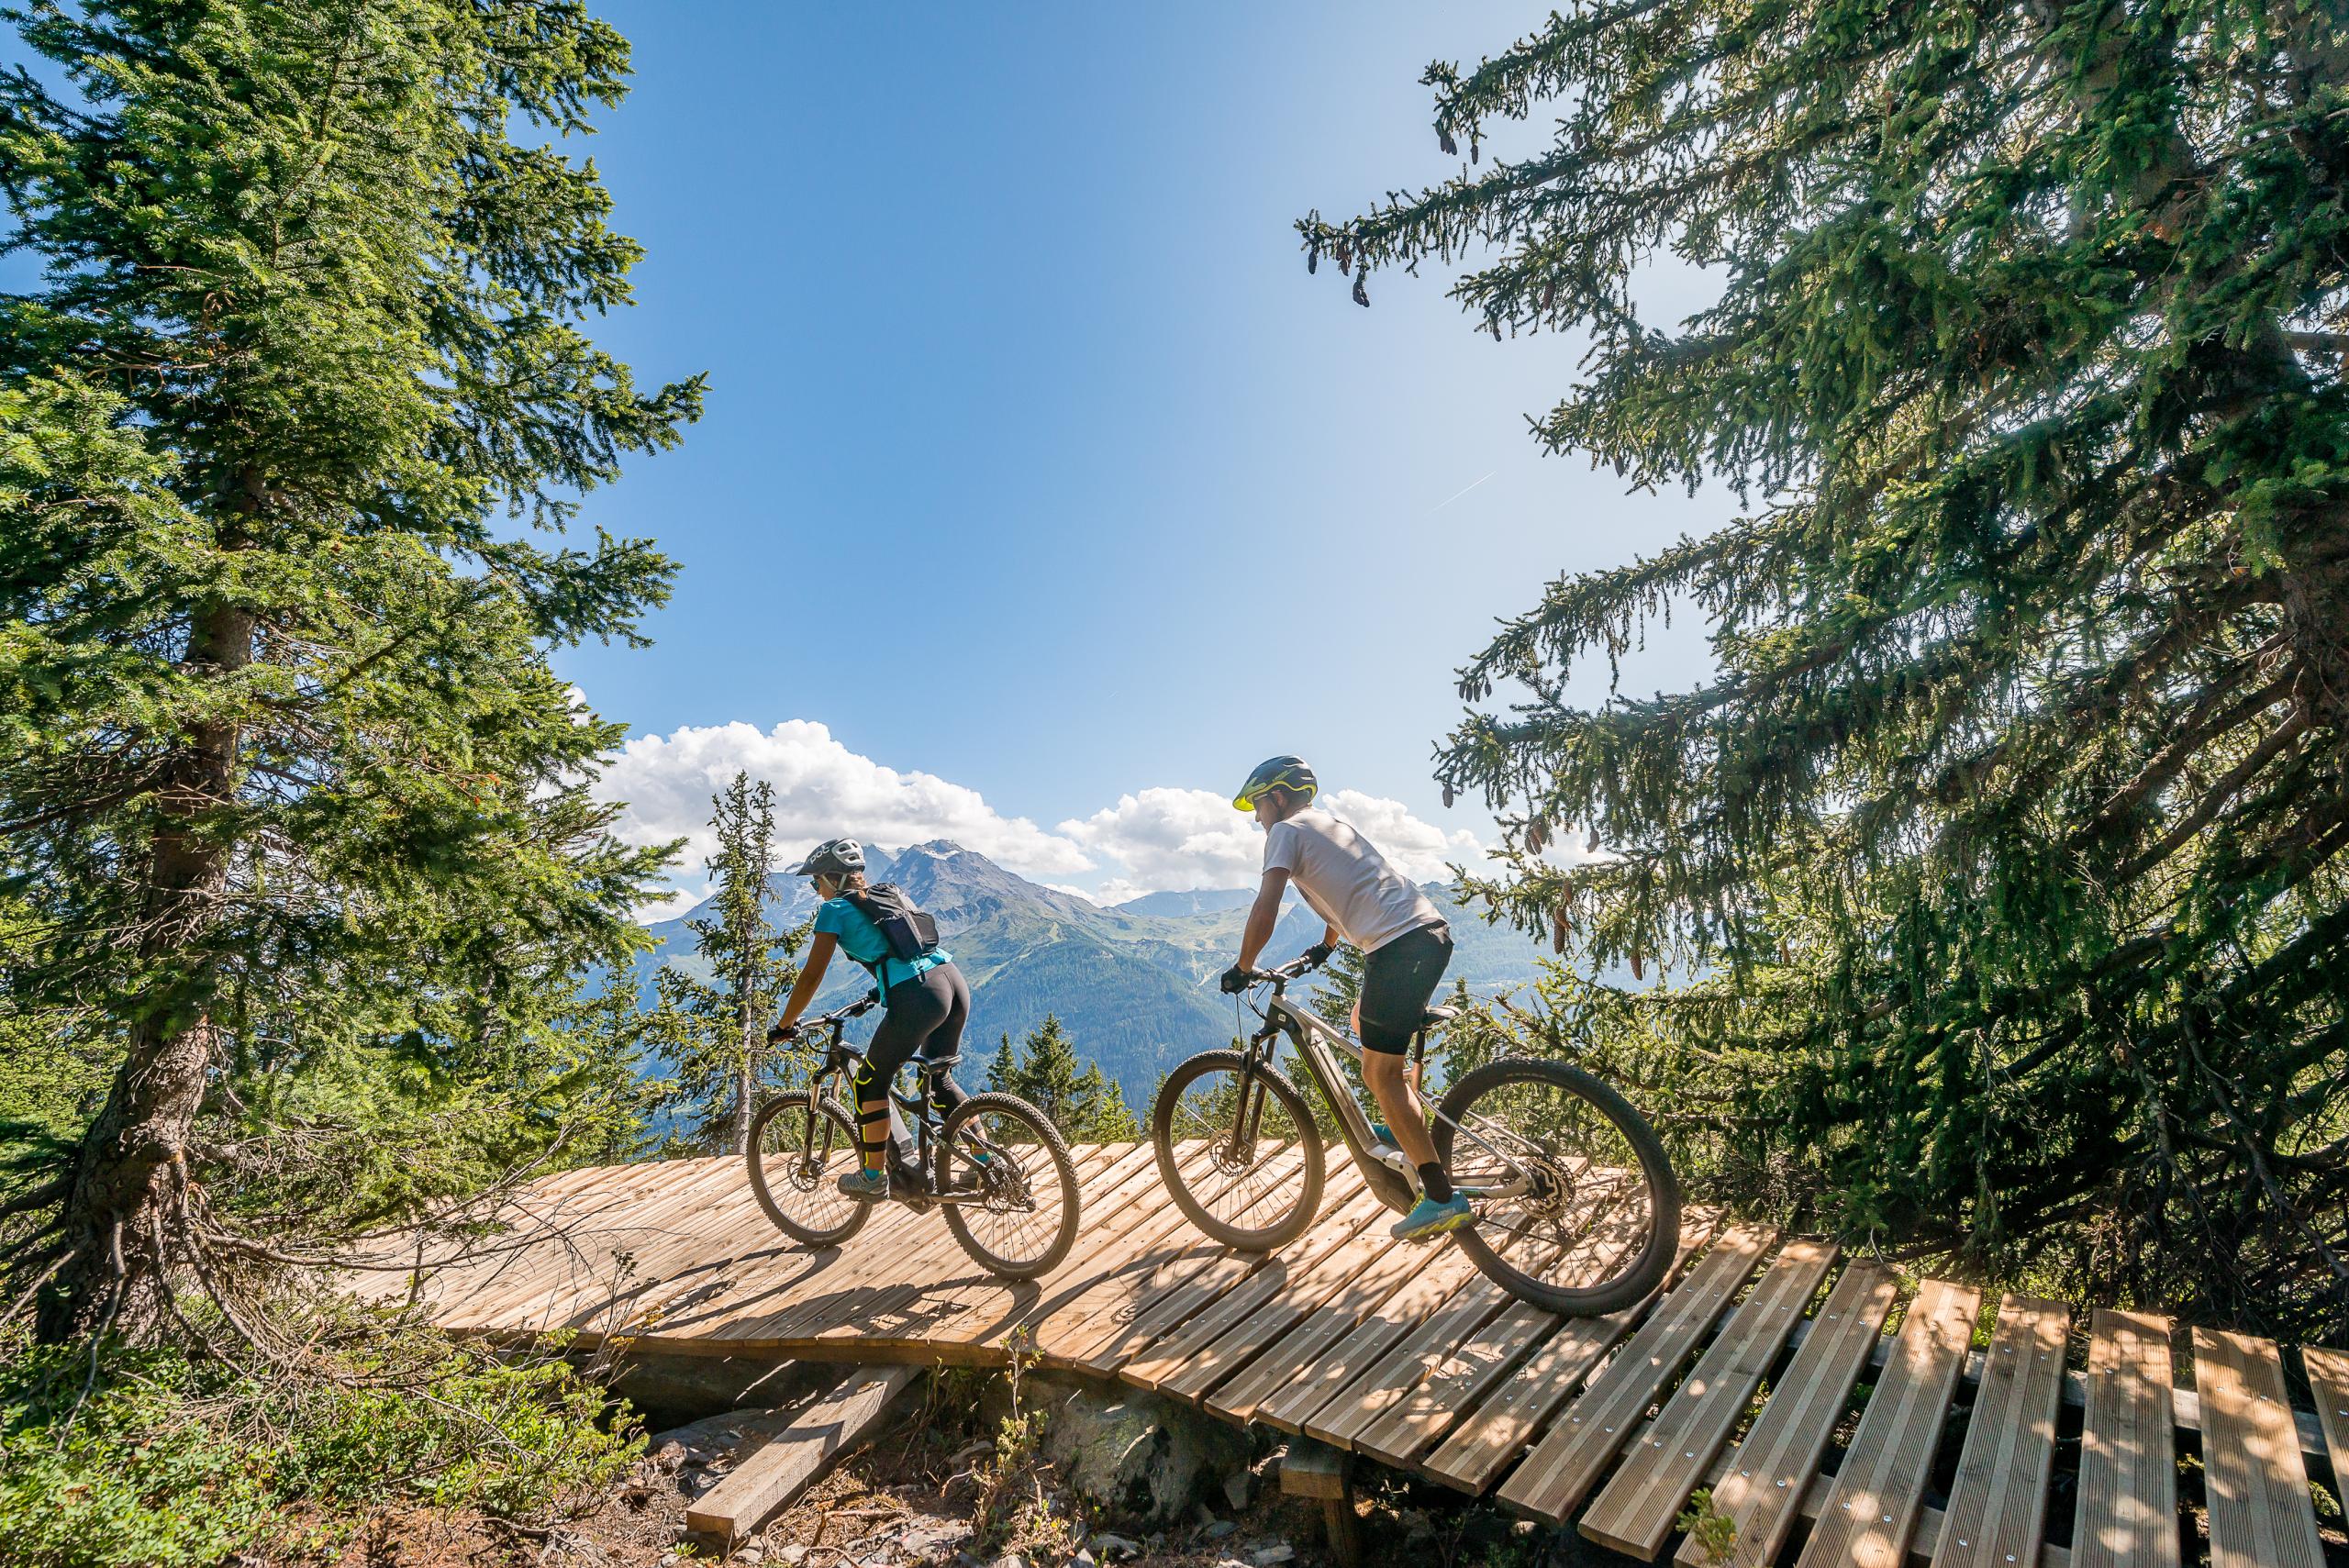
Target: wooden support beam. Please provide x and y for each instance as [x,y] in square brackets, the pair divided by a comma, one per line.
[1312,1469]
[771,1477]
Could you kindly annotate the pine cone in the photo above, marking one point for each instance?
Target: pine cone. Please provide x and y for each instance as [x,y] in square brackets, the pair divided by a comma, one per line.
[1361,296]
[1444,140]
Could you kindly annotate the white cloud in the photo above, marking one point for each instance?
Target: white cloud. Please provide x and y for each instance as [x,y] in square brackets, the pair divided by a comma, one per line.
[1184,839]
[821,790]
[1173,839]
[1420,849]
[1150,840]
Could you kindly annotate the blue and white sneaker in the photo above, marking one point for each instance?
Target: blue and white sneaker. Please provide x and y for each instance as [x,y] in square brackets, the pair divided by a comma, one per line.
[1429,1219]
[865,1185]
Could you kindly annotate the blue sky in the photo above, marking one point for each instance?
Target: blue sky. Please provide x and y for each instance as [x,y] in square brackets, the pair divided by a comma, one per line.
[1034,460]
[1042,493]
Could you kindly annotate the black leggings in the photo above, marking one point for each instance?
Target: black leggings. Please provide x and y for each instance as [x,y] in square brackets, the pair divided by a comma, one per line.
[925,1014]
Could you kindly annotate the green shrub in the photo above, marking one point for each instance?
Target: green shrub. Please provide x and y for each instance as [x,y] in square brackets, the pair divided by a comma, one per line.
[170,1461]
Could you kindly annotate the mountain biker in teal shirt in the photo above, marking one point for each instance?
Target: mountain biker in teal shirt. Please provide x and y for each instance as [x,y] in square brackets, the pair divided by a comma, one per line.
[927,1000]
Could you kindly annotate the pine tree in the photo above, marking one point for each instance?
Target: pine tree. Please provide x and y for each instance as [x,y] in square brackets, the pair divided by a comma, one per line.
[286,777]
[1085,1105]
[1002,1067]
[2010,834]
[715,1031]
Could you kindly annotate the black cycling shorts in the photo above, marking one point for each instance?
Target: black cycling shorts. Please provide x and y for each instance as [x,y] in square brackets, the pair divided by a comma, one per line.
[1397,982]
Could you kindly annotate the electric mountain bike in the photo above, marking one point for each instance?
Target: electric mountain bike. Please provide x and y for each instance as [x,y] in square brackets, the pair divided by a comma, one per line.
[996,1166]
[1576,1207]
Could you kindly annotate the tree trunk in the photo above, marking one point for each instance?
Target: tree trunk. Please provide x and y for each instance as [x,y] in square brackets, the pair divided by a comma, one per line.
[122,1214]
[752,1039]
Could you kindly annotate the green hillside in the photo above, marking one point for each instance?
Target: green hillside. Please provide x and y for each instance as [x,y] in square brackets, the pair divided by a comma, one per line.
[1133,984]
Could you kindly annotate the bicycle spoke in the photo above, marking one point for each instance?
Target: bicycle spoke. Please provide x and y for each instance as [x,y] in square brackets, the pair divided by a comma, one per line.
[1245,1185]
[802,1154]
[1571,1206]
[1018,1191]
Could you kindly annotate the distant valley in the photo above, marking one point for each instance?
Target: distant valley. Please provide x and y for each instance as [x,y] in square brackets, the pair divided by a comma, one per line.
[1134,984]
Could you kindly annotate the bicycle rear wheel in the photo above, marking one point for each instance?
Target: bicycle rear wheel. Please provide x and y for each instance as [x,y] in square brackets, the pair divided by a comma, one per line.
[1246,1171]
[1578,1210]
[1012,1185]
[799,1148]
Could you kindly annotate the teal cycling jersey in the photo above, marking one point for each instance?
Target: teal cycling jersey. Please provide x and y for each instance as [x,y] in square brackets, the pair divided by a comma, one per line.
[862,941]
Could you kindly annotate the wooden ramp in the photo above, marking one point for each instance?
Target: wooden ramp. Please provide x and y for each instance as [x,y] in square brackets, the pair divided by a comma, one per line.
[1830,1417]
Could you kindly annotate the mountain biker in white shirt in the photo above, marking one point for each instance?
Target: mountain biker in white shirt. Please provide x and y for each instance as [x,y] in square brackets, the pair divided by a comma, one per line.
[1406,947]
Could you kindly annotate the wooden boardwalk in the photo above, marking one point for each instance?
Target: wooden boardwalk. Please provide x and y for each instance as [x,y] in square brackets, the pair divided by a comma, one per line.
[1765,1374]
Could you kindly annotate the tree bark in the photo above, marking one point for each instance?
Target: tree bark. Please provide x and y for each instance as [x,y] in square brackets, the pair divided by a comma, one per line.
[121,1213]
[753,1038]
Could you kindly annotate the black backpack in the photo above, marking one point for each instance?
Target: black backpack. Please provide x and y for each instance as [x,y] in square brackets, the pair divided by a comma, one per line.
[909,931]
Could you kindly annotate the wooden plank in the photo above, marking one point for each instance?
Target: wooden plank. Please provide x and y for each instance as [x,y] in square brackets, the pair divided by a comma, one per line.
[1873,1508]
[884,1275]
[1998,1504]
[688,1302]
[524,1259]
[1559,1472]
[1306,1364]
[1189,1280]
[2256,1482]
[1131,1224]
[628,1251]
[1264,1279]
[1761,1493]
[1922,1543]
[929,1279]
[1380,1394]
[2329,1380]
[2127,1507]
[1388,1390]
[1342,1277]
[559,1257]
[1432,1289]
[1512,1372]
[1078,1314]
[723,1228]
[1411,1400]
[982,1309]
[1633,1513]
[771,1477]
[788,1280]
[1525,1384]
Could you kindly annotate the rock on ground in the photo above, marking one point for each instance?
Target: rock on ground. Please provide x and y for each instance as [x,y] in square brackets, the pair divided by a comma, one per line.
[1132,1453]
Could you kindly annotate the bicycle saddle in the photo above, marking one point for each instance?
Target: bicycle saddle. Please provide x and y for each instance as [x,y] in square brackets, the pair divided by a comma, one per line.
[1438,1017]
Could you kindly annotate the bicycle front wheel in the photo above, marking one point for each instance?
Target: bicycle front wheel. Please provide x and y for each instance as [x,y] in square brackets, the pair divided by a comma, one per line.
[1578,1210]
[1010,1185]
[800,1148]
[1238,1150]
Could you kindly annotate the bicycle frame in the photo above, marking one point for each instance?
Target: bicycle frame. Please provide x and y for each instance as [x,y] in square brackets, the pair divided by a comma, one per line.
[839,1060]
[1316,1040]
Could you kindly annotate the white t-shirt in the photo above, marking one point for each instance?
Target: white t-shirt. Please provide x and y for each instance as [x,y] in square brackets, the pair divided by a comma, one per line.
[1345,881]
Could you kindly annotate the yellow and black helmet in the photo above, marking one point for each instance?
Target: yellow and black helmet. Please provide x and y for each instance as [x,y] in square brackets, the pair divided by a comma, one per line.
[1277,772]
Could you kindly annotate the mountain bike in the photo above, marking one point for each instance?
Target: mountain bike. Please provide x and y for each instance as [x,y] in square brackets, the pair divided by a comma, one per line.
[1577,1210]
[996,1166]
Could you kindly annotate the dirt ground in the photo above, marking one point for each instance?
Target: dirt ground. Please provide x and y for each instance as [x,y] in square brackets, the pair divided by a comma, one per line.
[934,1491]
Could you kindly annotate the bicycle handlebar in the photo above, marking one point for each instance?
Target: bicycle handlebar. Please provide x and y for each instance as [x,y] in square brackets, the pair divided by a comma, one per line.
[1296,968]
[832,1019]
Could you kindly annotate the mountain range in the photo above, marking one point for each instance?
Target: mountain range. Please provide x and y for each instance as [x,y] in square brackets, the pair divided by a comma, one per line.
[1134,984]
